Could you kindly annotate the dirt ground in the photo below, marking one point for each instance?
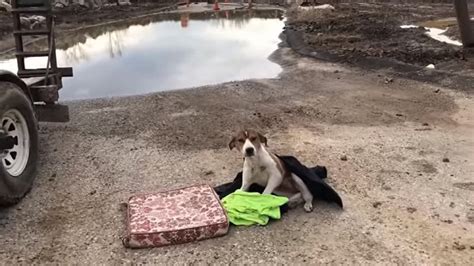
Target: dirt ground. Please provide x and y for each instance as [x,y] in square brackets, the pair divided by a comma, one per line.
[403,204]
[77,16]
[407,183]
[361,30]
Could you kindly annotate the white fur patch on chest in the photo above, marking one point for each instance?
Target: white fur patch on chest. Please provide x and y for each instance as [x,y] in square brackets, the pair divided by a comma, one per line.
[260,175]
[262,168]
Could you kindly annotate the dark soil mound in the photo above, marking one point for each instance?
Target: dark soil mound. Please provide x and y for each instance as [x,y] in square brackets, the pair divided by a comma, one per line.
[353,32]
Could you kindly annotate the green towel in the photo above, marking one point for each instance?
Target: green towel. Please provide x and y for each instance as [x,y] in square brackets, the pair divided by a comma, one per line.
[249,208]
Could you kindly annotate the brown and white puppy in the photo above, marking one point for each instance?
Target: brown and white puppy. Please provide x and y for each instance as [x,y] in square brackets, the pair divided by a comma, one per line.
[267,170]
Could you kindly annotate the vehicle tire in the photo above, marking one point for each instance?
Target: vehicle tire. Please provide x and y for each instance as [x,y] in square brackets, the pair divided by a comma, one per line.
[17,165]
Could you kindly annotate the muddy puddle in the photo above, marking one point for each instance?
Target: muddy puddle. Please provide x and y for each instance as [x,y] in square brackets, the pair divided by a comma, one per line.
[165,52]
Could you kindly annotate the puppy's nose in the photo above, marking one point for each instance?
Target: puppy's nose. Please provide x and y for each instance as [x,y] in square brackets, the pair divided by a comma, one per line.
[249,151]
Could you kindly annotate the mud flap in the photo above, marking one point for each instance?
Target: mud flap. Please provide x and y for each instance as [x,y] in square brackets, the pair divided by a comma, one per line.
[52,112]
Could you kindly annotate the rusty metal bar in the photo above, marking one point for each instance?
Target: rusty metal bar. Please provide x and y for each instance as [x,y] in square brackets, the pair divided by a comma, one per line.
[466,27]
[18,38]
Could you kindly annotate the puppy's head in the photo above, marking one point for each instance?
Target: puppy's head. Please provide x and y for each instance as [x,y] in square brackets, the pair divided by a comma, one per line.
[248,142]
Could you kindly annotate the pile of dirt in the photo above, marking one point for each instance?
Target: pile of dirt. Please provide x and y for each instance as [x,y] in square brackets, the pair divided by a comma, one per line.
[372,32]
[453,33]
[74,16]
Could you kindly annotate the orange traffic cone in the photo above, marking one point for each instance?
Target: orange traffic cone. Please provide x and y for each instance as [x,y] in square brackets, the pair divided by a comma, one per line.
[184,20]
[216,5]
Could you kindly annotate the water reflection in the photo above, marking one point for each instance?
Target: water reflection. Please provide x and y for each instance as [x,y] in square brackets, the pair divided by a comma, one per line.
[166,52]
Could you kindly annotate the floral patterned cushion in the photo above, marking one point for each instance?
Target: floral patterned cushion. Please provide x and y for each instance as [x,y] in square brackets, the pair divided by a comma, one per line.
[174,217]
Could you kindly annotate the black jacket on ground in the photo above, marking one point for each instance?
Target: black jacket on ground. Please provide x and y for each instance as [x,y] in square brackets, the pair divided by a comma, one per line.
[312,177]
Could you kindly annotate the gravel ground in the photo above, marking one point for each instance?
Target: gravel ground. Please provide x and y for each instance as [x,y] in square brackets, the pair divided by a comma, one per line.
[403,204]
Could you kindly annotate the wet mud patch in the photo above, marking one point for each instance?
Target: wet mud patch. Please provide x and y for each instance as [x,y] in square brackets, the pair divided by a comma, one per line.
[370,36]
[373,31]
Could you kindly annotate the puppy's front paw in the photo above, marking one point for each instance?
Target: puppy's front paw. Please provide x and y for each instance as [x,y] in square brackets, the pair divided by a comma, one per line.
[308,207]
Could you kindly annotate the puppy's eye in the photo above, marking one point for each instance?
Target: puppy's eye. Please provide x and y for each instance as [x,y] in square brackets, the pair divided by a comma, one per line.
[241,140]
[253,139]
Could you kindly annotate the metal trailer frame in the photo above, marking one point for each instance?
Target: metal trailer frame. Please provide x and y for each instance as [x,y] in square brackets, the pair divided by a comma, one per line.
[466,25]
[42,84]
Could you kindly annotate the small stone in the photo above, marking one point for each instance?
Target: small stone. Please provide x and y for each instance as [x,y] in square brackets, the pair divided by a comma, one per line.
[425,124]
[448,221]
[451,204]
[324,247]
[210,172]
[459,246]
[391,197]
[92,192]
[53,175]
[123,206]
[445,160]
[336,71]
[411,209]
[398,114]
[386,187]
[388,80]
[436,91]
[343,158]
[376,204]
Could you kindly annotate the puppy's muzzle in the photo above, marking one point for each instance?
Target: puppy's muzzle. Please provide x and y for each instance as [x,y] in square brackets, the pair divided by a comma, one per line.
[249,152]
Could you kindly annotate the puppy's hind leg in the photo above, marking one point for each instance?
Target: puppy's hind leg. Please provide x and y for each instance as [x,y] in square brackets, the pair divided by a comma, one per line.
[305,193]
[295,200]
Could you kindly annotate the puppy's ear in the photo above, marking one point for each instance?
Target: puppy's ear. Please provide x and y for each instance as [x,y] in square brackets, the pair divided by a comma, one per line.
[262,139]
[232,143]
